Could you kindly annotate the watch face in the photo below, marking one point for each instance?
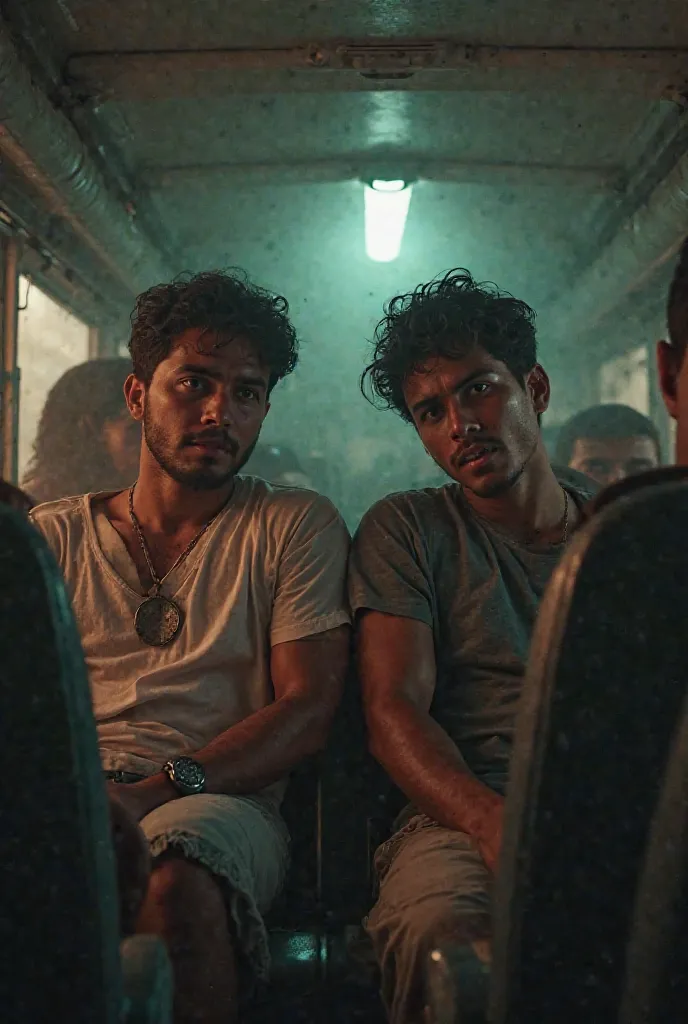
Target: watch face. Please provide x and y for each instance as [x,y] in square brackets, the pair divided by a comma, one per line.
[188,773]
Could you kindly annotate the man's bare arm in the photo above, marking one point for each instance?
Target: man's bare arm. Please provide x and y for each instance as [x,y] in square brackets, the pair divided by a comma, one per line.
[396,660]
[308,677]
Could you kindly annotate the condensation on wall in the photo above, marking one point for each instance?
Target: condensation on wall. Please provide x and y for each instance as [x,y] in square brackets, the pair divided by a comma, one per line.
[50,340]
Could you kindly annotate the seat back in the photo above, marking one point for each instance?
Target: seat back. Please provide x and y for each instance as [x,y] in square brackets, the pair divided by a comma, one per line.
[656,985]
[59,931]
[604,686]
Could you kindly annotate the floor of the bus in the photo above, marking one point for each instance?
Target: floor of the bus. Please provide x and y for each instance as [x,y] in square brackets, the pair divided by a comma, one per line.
[333,1004]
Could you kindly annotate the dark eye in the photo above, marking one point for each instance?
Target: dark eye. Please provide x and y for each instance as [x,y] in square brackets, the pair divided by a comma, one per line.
[192,383]
[431,415]
[597,466]
[479,387]
[248,394]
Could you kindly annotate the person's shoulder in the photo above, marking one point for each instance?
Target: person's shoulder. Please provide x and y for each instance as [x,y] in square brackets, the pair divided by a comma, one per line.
[61,523]
[418,509]
[415,501]
[285,503]
[631,485]
[63,511]
[583,486]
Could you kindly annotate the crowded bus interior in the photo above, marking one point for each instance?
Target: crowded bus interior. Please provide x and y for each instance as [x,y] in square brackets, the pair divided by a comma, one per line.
[343,491]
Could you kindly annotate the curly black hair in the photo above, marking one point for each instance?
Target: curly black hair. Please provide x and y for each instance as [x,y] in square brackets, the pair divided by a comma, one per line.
[677,306]
[223,302]
[448,317]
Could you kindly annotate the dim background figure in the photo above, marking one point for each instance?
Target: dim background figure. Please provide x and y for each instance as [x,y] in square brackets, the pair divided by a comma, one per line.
[277,465]
[608,443]
[86,439]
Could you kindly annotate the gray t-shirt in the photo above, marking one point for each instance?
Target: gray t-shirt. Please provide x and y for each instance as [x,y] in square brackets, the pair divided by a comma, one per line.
[426,555]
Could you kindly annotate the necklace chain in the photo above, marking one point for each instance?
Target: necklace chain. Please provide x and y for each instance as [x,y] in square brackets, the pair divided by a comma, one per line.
[157,580]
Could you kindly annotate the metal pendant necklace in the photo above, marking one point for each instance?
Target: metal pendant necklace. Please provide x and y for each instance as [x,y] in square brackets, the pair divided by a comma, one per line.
[159,619]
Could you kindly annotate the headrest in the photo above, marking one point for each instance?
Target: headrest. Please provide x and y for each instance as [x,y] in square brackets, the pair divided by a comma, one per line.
[633,484]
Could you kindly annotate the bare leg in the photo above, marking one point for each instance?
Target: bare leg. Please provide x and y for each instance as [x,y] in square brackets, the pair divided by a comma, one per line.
[133,865]
[185,907]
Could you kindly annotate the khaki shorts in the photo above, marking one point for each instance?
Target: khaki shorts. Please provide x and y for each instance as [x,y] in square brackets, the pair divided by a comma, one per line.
[244,843]
[433,889]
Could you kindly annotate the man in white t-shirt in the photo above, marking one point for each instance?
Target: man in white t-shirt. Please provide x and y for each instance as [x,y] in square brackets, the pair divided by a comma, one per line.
[214,623]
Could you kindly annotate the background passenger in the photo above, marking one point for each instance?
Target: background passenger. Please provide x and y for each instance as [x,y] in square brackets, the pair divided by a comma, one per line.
[86,439]
[277,465]
[213,618]
[446,584]
[608,443]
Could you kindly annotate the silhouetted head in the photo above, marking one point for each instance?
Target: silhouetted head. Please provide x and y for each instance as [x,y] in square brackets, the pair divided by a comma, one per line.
[16,499]
[608,443]
[277,465]
[86,439]
[207,351]
[671,361]
[458,359]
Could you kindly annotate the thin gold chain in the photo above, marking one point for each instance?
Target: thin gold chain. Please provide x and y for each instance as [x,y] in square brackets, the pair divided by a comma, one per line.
[157,581]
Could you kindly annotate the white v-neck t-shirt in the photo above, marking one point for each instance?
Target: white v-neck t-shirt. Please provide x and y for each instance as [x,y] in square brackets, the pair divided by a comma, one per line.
[271,568]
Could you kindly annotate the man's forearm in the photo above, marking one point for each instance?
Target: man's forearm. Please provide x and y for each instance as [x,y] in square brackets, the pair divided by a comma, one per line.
[428,767]
[254,753]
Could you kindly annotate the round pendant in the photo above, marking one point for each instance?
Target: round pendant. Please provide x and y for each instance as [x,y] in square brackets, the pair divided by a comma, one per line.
[157,621]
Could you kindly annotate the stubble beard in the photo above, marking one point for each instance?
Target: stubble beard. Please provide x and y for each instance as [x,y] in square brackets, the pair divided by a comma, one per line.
[199,479]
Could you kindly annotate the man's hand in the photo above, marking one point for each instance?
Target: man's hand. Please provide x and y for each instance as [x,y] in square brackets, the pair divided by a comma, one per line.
[127,797]
[489,836]
[140,798]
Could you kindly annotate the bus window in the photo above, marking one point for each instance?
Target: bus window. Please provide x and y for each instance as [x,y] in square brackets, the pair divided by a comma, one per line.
[50,340]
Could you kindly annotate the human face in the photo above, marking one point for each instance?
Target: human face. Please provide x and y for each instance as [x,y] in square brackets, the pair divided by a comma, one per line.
[476,420]
[673,381]
[122,440]
[612,459]
[203,409]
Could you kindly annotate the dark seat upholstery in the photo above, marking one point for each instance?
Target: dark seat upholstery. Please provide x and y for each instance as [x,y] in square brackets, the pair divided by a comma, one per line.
[604,689]
[334,806]
[59,931]
[656,984]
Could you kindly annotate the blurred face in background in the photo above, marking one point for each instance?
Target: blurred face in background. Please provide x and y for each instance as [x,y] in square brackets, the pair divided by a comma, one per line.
[607,460]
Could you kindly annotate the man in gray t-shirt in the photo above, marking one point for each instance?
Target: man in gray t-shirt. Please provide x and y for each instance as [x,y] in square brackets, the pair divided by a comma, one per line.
[445,583]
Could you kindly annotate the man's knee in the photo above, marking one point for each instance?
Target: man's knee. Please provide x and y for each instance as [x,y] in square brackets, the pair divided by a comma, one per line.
[186,888]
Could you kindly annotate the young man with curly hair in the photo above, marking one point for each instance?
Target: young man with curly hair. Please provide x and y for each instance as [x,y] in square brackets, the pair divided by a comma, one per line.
[445,583]
[214,623]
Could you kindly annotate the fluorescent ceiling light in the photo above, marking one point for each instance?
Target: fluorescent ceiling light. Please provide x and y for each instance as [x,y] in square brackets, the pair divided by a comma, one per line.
[386,210]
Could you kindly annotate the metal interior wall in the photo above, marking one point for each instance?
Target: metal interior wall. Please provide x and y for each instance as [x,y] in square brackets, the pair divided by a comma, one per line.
[46,149]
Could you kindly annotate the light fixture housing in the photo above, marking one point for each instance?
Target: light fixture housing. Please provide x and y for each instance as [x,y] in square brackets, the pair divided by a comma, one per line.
[386,209]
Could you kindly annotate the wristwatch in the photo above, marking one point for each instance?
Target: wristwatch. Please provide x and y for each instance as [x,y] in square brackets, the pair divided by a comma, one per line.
[186,775]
